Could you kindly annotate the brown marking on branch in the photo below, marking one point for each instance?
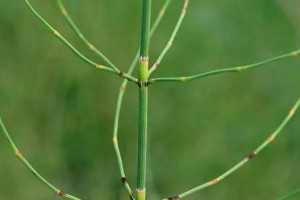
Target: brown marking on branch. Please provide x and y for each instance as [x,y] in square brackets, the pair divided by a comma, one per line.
[142,83]
[252,155]
[214,181]
[139,83]
[131,196]
[124,180]
[121,74]
[61,193]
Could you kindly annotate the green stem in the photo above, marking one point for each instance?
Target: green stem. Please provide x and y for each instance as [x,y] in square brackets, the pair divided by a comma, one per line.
[253,154]
[31,169]
[143,101]
[120,100]
[225,70]
[145,34]
[142,144]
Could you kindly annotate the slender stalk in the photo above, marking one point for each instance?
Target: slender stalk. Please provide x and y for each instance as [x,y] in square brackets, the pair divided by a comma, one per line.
[72,48]
[143,101]
[145,33]
[115,131]
[30,168]
[120,99]
[159,17]
[82,37]
[170,42]
[290,195]
[142,144]
[225,70]
[253,154]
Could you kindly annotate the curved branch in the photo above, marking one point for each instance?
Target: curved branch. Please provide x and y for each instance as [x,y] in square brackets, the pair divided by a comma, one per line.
[31,169]
[82,37]
[253,154]
[225,70]
[170,42]
[72,48]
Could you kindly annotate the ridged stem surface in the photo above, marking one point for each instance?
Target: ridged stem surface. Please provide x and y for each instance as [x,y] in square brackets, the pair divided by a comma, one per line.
[143,101]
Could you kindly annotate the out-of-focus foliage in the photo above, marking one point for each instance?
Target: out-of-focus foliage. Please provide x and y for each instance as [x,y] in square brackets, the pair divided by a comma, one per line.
[60,111]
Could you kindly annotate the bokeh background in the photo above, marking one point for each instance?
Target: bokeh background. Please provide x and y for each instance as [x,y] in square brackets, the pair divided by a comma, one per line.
[60,111]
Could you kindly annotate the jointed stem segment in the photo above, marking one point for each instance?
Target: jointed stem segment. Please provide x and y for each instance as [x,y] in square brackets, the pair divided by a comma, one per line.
[254,153]
[143,101]
[30,168]
[120,99]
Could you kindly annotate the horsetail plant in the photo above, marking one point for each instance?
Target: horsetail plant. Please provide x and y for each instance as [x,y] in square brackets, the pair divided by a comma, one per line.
[143,81]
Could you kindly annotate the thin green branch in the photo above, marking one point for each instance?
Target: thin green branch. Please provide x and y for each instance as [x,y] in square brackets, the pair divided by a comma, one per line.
[253,154]
[170,42]
[225,70]
[159,17]
[290,194]
[82,37]
[116,127]
[72,48]
[30,168]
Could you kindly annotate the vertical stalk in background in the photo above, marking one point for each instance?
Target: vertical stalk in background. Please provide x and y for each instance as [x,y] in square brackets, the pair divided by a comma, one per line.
[143,101]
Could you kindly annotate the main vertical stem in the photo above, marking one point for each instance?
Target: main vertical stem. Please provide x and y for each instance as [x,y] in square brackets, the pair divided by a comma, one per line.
[143,101]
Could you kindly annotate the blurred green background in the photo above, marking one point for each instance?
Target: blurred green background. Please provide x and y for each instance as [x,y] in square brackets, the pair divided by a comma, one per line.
[60,111]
